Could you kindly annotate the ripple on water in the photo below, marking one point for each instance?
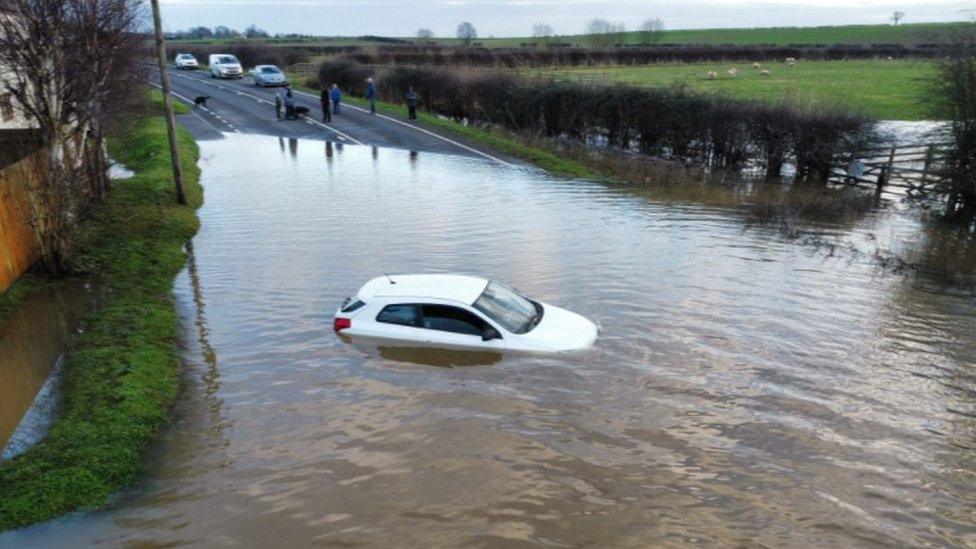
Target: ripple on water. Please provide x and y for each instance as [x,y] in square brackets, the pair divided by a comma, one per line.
[745,389]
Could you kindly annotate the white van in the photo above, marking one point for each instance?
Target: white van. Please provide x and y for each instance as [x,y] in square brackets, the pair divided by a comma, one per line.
[225,65]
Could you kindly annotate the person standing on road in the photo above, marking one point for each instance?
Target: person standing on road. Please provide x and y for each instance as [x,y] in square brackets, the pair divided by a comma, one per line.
[289,105]
[371,94]
[279,102]
[411,99]
[324,100]
[336,96]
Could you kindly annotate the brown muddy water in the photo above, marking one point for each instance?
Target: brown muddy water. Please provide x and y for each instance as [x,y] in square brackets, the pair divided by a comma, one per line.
[32,341]
[747,389]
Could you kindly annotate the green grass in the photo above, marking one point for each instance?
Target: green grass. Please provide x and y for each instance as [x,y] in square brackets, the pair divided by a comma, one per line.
[906,34]
[503,142]
[121,375]
[887,90]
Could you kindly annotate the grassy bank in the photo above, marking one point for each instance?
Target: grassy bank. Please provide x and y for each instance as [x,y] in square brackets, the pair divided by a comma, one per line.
[121,374]
[887,90]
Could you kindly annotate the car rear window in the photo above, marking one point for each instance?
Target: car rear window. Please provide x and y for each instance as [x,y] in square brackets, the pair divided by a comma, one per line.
[353,306]
[402,315]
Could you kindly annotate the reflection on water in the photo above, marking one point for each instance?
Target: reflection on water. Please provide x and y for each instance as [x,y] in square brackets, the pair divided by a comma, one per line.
[31,341]
[746,390]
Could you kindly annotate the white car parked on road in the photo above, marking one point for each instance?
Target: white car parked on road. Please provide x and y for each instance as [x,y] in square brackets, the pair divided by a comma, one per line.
[225,65]
[186,61]
[459,312]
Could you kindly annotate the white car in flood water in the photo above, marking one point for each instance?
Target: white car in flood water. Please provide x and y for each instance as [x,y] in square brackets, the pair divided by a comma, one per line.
[459,312]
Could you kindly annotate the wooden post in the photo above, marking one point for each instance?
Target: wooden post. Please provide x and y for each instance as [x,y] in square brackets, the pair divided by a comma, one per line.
[929,155]
[174,148]
[882,179]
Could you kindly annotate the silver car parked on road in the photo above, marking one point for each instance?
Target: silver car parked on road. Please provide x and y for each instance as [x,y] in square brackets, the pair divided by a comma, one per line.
[268,75]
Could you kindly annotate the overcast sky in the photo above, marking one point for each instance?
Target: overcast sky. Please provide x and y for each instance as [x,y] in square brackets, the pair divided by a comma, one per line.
[515,17]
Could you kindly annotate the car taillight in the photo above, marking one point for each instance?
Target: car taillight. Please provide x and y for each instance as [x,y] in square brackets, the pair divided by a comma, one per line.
[340,324]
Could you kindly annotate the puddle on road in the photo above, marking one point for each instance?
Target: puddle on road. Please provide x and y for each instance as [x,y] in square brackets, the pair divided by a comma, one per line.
[746,389]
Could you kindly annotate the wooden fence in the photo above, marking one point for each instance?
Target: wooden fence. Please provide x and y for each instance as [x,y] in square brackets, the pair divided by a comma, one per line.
[913,169]
[18,245]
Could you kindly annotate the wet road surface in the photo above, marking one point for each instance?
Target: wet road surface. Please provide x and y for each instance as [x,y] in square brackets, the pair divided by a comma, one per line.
[746,390]
[238,106]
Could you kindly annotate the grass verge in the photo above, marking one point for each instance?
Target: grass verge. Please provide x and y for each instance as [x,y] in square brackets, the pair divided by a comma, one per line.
[506,143]
[121,375]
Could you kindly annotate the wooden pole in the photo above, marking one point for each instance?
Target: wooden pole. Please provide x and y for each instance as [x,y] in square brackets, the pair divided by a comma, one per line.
[929,155]
[174,149]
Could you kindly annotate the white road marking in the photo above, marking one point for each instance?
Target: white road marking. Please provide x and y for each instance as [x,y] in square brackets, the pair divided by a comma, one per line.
[430,133]
[201,107]
[262,100]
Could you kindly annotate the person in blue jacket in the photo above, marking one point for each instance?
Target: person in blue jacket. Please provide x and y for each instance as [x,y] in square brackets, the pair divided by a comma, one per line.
[336,96]
[371,94]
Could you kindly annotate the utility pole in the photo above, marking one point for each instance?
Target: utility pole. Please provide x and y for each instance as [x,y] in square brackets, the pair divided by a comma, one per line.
[174,149]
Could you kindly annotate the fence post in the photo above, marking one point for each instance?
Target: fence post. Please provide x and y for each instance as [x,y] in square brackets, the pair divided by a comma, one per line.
[929,155]
[882,179]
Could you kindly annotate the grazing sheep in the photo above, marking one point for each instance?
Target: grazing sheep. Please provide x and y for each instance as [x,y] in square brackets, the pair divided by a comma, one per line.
[890,58]
[733,72]
[712,75]
[765,73]
[790,60]
[756,66]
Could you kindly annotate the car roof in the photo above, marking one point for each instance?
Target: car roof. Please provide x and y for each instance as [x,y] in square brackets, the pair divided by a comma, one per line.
[460,288]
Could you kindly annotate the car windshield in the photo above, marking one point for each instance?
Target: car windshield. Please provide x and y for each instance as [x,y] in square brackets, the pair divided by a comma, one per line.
[185,56]
[269,70]
[507,307]
[227,59]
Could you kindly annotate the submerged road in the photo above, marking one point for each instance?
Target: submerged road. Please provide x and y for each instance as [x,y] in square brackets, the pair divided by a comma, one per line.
[238,106]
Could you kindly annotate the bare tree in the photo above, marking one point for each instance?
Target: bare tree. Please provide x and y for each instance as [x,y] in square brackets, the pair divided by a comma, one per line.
[466,32]
[254,32]
[652,31]
[542,32]
[425,34]
[60,58]
[897,17]
[603,33]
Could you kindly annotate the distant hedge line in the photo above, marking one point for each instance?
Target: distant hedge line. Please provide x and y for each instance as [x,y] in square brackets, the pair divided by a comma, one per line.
[546,57]
[672,123]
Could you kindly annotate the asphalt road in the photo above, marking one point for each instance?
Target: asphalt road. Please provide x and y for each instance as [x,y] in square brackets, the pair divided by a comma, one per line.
[238,106]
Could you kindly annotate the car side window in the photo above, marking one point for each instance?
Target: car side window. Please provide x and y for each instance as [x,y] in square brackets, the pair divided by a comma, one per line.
[451,319]
[402,315]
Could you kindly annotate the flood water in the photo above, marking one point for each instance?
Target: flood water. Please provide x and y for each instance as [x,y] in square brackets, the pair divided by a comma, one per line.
[32,340]
[747,389]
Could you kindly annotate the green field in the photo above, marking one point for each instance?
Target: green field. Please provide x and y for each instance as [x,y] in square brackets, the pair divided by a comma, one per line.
[887,90]
[907,34]
[922,33]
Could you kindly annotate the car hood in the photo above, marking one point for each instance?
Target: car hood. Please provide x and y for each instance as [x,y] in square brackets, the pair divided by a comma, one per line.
[561,330]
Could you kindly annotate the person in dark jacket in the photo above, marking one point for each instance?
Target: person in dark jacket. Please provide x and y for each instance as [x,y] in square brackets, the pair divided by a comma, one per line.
[411,99]
[324,100]
[336,97]
[371,94]
[289,105]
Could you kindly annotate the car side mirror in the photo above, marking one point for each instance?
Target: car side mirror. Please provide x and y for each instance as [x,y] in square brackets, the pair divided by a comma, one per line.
[490,333]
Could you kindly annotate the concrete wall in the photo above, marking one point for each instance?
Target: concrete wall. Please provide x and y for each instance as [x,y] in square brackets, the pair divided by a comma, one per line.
[18,246]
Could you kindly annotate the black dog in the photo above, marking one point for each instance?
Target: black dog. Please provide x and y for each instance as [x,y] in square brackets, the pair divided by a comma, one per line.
[201,101]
